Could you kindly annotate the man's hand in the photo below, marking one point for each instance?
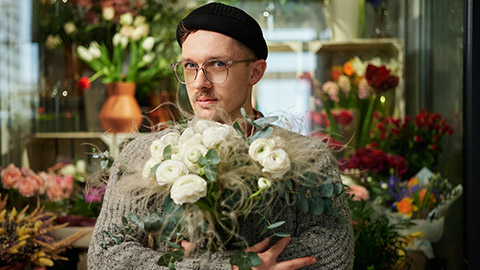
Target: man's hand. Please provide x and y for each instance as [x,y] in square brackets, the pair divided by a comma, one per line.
[269,257]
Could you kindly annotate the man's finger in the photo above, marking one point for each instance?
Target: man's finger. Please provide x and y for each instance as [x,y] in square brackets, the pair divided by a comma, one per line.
[260,246]
[276,249]
[297,263]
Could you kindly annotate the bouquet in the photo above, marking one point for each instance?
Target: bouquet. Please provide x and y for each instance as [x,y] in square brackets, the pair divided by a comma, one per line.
[25,238]
[209,178]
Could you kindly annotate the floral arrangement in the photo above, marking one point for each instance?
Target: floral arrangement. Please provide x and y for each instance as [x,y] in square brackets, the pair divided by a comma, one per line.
[61,189]
[25,238]
[417,141]
[358,85]
[210,177]
[143,62]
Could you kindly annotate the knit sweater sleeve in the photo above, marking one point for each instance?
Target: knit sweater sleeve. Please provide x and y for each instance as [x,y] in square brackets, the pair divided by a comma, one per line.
[329,239]
[133,253]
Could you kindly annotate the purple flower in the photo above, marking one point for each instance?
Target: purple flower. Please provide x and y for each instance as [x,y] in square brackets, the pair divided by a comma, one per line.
[374,2]
[95,194]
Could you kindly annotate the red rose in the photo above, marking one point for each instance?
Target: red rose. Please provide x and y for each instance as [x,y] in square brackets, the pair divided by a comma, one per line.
[335,74]
[417,138]
[84,82]
[398,164]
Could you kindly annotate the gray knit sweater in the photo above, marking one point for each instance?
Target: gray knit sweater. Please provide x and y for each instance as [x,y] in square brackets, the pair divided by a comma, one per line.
[327,238]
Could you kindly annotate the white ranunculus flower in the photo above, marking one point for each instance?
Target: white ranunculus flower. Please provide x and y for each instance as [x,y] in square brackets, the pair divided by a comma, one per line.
[126,18]
[53,42]
[170,138]
[126,31]
[148,167]
[186,134]
[188,189]
[264,183]
[277,163]
[139,20]
[156,149]
[139,32]
[148,58]
[216,134]
[196,138]
[108,13]
[191,154]
[202,124]
[169,171]
[148,43]
[84,54]
[69,28]
[393,66]
[260,148]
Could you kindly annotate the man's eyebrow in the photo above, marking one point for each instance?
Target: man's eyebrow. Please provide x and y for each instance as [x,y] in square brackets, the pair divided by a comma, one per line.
[214,57]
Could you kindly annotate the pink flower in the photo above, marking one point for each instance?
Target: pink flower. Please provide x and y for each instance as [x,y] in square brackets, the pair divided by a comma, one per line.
[65,183]
[10,176]
[364,89]
[27,186]
[331,88]
[95,194]
[54,192]
[358,192]
[344,84]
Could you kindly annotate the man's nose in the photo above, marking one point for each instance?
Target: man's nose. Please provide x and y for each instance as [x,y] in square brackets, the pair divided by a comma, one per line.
[201,82]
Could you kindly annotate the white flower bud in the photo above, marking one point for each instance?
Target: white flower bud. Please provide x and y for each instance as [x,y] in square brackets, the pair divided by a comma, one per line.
[53,42]
[264,183]
[108,13]
[139,20]
[126,31]
[148,58]
[126,19]
[69,28]
[94,50]
[148,44]
[84,54]
[139,32]
[81,166]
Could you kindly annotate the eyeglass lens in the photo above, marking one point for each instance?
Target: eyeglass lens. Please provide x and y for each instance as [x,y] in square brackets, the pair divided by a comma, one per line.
[215,71]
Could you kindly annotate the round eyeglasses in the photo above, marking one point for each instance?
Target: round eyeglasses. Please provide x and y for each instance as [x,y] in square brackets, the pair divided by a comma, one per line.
[215,71]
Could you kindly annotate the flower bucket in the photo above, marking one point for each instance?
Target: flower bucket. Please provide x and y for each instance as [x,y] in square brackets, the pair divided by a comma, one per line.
[344,19]
[121,113]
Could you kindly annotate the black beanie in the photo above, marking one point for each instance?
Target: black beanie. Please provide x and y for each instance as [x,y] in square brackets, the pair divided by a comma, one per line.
[227,20]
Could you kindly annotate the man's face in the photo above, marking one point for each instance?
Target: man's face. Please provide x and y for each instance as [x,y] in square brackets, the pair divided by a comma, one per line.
[230,95]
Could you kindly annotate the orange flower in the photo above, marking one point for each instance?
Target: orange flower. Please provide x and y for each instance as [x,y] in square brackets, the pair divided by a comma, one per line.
[336,72]
[412,182]
[348,69]
[422,194]
[406,206]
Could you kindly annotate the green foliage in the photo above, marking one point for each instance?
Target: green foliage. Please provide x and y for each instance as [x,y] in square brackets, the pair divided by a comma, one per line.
[245,260]
[377,242]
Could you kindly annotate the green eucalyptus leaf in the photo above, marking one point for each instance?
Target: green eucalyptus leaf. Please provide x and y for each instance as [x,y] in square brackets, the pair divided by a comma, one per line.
[153,170]
[238,129]
[326,189]
[276,225]
[169,258]
[124,221]
[202,161]
[245,115]
[211,172]
[279,234]
[263,133]
[245,260]
[315,205]
[266,120]
[167,152]
[302,203]
[212,157]
[104,163]
[338,188]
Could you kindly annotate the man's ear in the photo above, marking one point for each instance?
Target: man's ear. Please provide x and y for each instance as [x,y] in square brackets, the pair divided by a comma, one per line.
[259,68]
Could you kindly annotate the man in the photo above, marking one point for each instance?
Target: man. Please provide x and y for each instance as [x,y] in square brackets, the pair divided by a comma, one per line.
[223,57]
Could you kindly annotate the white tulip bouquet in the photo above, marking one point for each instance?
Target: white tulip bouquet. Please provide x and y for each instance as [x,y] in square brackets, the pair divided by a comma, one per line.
[210,177]
[132,43]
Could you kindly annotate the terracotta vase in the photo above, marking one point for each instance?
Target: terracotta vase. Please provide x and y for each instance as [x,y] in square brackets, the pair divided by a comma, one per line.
[121,113]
